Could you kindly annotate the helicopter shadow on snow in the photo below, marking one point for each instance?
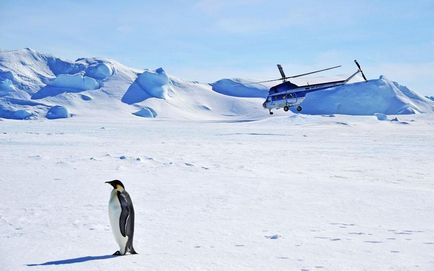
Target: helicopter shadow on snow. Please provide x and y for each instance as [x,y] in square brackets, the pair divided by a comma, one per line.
[75,260]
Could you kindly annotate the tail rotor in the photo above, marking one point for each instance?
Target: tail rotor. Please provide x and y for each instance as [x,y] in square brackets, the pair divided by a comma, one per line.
[360,70]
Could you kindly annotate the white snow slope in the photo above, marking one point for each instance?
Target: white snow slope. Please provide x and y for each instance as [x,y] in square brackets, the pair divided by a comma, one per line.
[32,83]
[298,192]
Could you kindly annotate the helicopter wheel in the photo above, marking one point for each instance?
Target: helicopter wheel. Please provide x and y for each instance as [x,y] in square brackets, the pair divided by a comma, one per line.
[271,113]
[299,108]
[285,108]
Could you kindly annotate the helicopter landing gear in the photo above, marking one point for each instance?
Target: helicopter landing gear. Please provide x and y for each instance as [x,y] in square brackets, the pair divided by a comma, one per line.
[271,113]
[299,108]
[285,108]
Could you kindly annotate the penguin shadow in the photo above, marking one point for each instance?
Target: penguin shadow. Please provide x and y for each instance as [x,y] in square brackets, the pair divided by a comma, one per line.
[75,260]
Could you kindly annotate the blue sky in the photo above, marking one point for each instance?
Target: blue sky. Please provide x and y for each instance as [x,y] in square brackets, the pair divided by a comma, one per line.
[207,40]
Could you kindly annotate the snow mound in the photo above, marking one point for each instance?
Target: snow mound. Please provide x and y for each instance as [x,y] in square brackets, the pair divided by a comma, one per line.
[366,98]
[100,71]
[381,116]
[6,86]
[57,112]
[85,97]
[97,87]
[146,112]
[74,81]
[149,84]
[240,88]
[20,114]
[27,75]
[105,88]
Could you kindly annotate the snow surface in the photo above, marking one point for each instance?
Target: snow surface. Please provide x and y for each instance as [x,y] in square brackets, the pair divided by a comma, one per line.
[99,70]
[240,88]
[74,81]
[57,112]
[295,192]
[106,88]
[146,112]
[367,98]
[6,86]
[149,84]
[31,83]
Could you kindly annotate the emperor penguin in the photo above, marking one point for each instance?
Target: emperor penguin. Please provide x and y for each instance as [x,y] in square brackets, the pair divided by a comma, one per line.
[121,214]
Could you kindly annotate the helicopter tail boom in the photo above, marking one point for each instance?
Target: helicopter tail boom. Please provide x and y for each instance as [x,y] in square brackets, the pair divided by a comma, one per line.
[284,77]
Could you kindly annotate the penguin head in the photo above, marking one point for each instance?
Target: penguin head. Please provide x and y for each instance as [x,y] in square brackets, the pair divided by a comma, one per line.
[118,185]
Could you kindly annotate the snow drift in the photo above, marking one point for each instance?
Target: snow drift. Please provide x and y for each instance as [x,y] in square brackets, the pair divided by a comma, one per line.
[57,112]
[148,84]
[239,88]
[99,70]
[361,98]
[146,112]
[35,85]
[367,98]
[74,81]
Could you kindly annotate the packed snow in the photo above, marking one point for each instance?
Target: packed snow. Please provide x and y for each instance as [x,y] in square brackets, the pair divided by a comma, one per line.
[239,88]
[6,86]
[57,112]
[99,70]
[74,81]
[367,98]
[294,192]
[97,87]
[149,84]
[146,112]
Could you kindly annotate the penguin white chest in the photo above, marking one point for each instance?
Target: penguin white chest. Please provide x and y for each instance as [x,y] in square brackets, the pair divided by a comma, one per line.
[115,210]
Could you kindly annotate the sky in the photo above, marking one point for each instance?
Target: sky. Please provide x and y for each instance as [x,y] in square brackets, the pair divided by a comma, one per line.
[206,40]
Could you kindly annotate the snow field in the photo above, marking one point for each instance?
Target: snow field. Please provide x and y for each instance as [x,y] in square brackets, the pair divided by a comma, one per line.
[287,193]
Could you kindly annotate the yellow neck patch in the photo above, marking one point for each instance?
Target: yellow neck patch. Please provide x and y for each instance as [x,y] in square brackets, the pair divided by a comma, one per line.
[119,188]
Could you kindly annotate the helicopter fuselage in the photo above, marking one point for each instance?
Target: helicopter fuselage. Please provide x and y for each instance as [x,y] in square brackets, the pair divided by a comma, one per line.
[287,94]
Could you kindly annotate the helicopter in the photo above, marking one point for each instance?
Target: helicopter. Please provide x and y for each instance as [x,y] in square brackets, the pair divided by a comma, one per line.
[287,94]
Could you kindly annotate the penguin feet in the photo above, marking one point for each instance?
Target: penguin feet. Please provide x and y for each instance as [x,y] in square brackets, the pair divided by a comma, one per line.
[118,253]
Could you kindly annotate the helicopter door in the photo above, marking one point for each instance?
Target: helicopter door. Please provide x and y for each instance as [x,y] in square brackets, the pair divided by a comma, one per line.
[291,98]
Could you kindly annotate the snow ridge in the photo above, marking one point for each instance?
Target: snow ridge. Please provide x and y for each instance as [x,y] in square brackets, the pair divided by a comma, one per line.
[34,85]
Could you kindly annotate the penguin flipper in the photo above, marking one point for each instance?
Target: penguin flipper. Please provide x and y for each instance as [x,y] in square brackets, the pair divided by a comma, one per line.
[125,213]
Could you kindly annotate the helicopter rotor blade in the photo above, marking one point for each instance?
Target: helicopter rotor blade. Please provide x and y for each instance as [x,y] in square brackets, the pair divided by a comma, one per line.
[282,73]
[360,69]
[297,75]
[304,74]
[266,81]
